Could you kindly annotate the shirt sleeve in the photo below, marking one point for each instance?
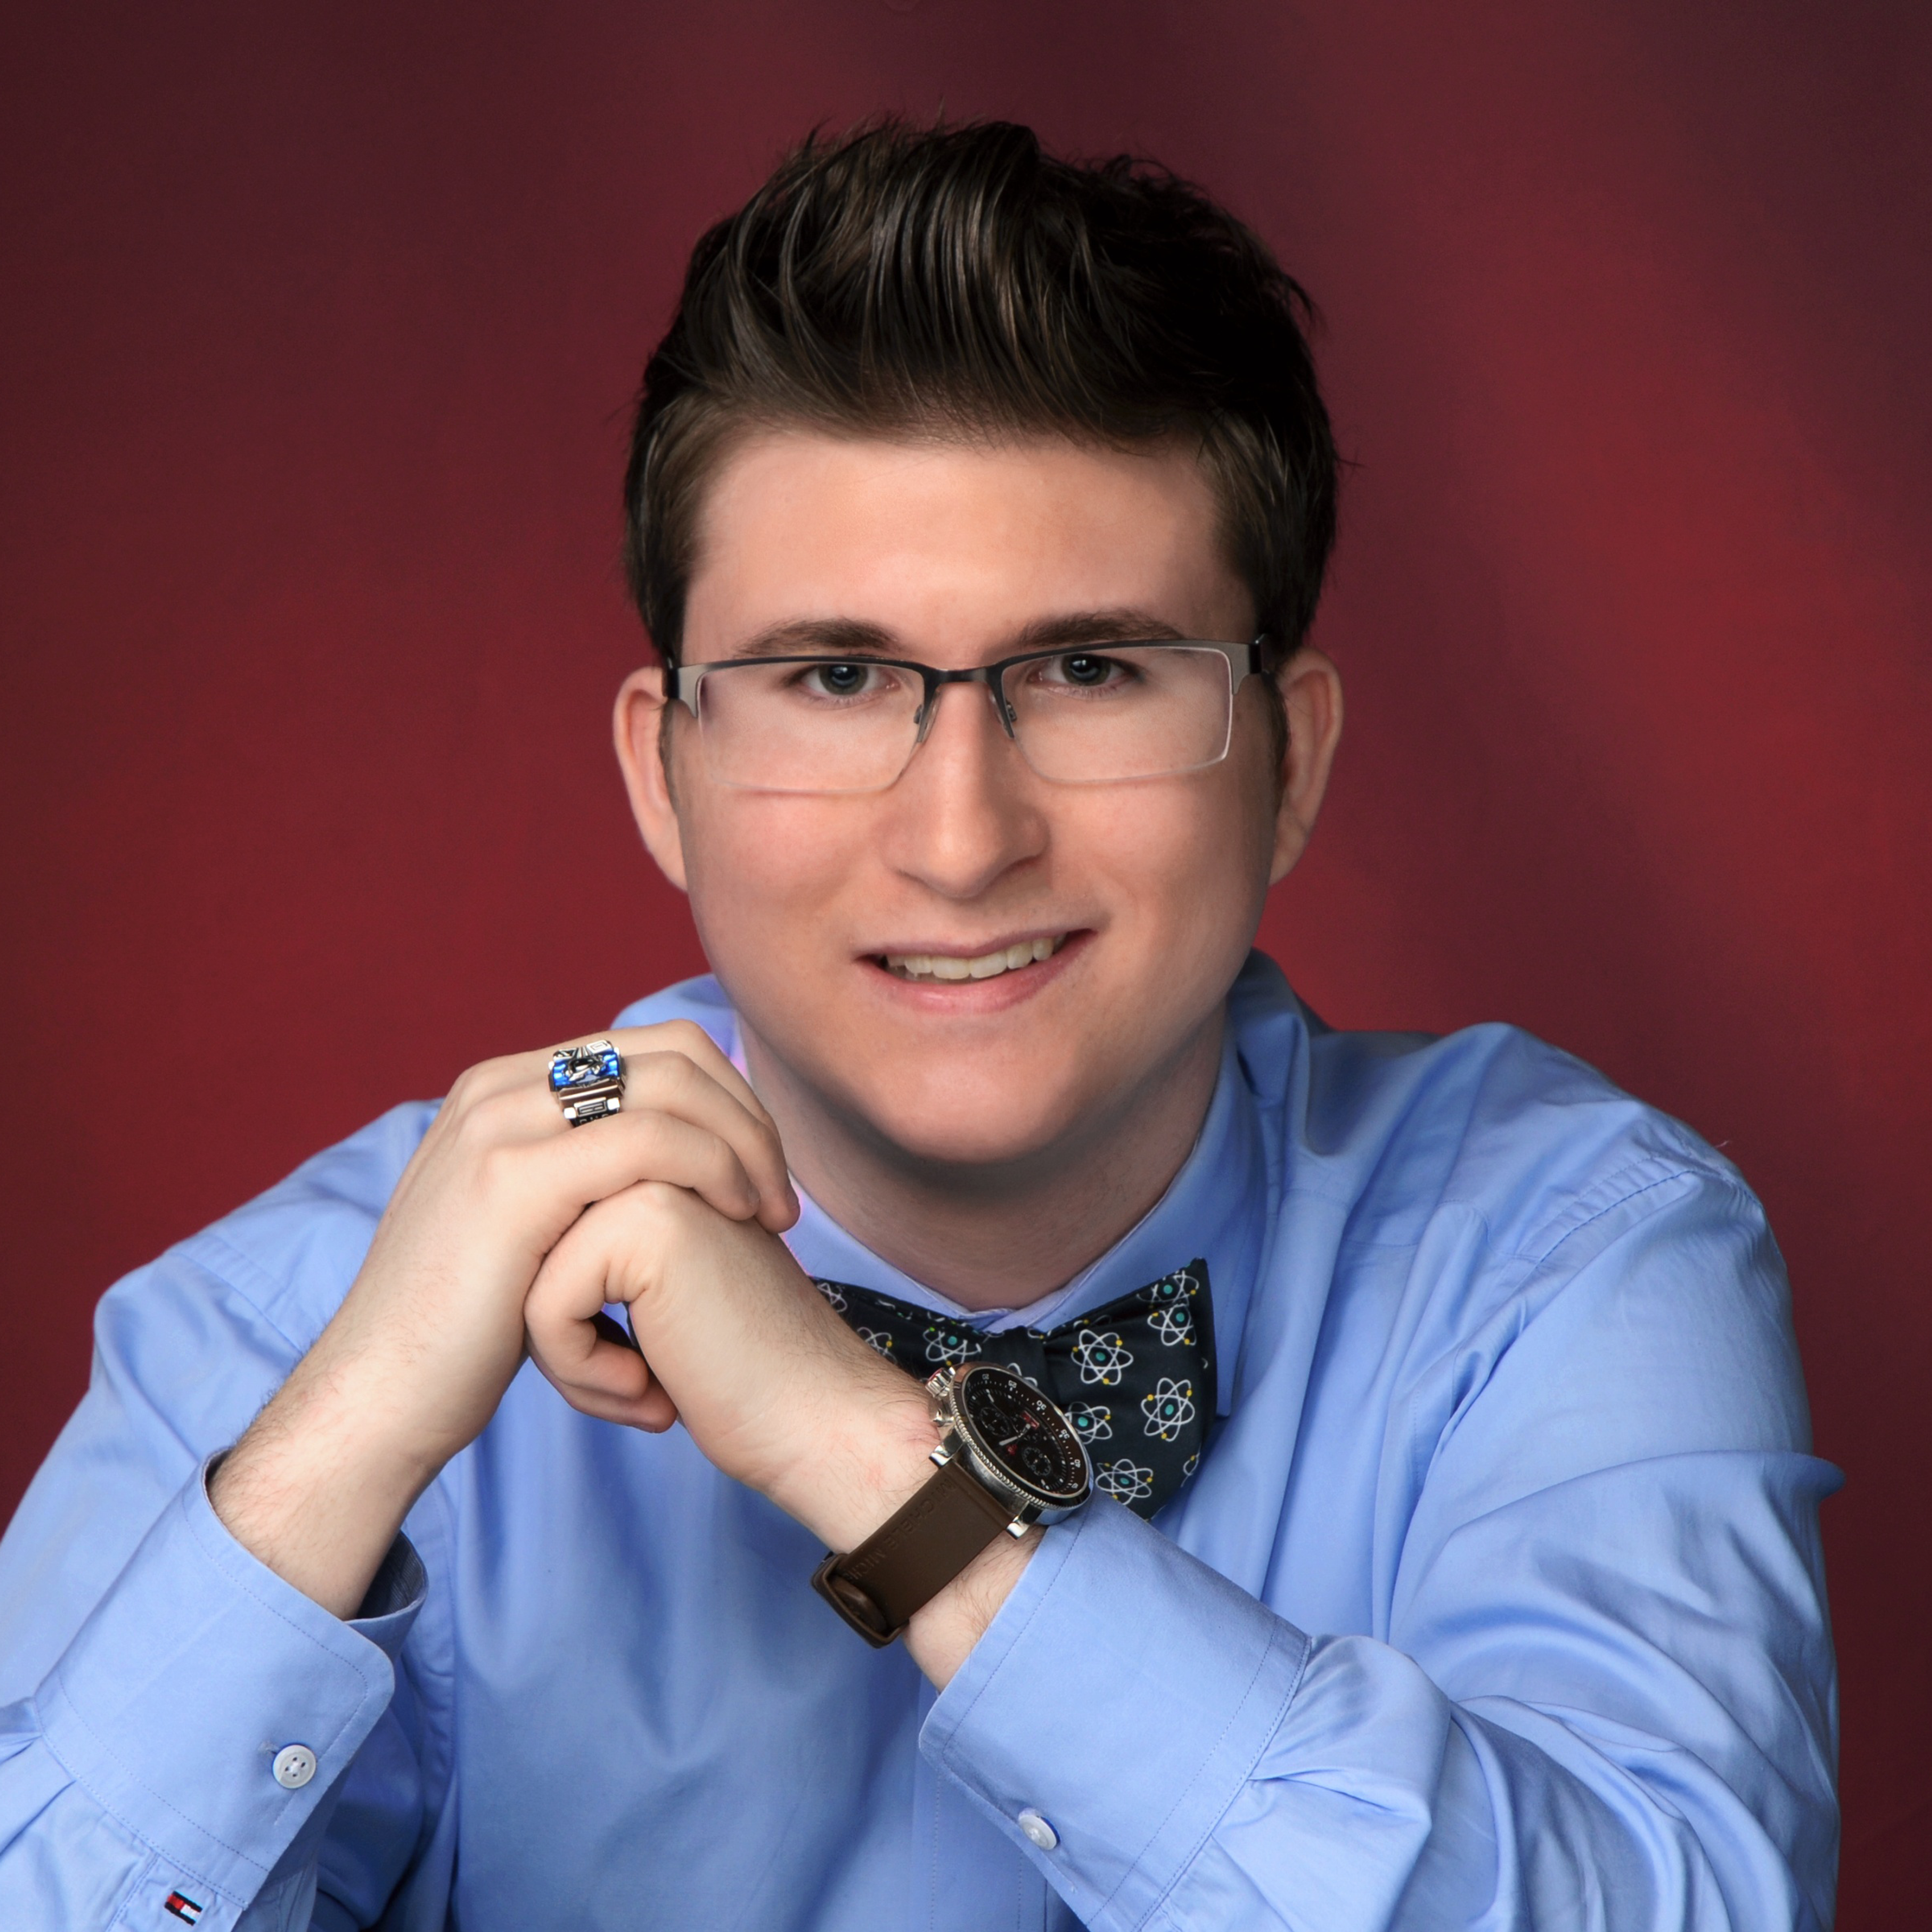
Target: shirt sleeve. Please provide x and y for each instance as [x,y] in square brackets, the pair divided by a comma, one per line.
[177,1725]
[1604,1696]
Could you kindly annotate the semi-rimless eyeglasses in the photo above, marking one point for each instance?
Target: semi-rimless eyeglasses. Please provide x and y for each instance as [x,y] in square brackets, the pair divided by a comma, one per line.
[1088,714]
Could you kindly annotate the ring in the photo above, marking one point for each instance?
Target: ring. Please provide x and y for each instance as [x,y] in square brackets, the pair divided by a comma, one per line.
[587,1082]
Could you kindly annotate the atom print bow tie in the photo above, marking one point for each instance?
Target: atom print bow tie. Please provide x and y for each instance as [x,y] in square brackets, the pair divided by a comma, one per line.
[1136,1378]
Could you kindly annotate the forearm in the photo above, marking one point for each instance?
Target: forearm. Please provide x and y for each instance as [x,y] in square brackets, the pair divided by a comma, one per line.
[318,1487]
[1188,1745]
[156,1752]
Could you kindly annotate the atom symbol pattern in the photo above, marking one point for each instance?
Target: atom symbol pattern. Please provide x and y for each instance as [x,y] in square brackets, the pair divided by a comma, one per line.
[1014,1368]
[950,1344]
[1092,1421]
[1181,1286]
[1125,1480]
[1169,1409]
[1101,1358]
[833,1293]
[1173,1324]
[878,1337]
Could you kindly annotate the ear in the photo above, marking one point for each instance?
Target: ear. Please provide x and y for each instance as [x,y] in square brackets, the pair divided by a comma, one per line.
[1311,692]
[644,733]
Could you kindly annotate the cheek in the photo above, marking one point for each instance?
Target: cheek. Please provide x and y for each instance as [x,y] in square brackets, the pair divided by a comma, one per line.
[1191,859]
[760,869]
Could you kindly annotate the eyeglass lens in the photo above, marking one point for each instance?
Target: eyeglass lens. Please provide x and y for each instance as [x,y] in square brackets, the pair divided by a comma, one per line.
[1089,717]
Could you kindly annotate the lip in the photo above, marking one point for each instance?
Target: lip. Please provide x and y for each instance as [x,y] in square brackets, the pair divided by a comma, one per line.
[969,949]
[962,997]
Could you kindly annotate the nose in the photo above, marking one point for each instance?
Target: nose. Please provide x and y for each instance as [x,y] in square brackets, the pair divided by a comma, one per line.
[965,814]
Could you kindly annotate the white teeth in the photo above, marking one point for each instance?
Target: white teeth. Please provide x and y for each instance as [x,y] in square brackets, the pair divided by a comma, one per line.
[985,966]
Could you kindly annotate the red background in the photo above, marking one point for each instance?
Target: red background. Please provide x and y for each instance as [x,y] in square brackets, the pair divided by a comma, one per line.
[319,327]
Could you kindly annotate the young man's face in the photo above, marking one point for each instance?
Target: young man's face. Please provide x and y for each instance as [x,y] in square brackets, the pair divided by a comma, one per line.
[1148,893]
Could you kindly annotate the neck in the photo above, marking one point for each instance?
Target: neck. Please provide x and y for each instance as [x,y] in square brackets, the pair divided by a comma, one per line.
[998,1234]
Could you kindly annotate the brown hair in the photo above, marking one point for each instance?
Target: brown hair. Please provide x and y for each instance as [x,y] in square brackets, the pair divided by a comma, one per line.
[951,280]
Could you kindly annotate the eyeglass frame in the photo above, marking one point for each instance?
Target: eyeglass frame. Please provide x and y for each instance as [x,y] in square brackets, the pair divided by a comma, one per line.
[1264,655]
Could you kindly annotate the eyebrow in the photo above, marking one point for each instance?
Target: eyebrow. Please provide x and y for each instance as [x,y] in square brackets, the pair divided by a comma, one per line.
[1121,625]
[832,637]
[854,637]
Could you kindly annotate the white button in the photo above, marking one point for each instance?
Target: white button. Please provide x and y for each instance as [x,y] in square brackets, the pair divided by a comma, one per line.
[1038,1830]
[295,1766]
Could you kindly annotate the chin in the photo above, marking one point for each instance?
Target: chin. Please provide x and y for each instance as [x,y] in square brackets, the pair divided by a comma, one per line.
[941,1126]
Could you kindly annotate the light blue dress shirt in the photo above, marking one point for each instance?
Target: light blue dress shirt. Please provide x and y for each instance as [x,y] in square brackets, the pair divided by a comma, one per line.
[1497,1600]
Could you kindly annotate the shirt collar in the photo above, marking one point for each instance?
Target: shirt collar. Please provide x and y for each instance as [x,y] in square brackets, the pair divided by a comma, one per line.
[1214,1208]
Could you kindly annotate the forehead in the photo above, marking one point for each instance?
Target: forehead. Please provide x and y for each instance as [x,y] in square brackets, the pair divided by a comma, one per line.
[953,547]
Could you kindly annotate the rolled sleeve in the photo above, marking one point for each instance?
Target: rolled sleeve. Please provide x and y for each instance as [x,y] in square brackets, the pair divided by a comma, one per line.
[194,1673]
[1124,1694]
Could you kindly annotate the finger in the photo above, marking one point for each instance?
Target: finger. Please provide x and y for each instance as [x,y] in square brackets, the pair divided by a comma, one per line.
[500,1110]
[674,1068]
[652,1145]
[701,1050]
[524,1073]
[671,1082]
[653,1410]
[592,1361]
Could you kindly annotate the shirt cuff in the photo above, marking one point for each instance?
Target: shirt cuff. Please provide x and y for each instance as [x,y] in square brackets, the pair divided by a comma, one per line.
[176,1706]
[1118,1703]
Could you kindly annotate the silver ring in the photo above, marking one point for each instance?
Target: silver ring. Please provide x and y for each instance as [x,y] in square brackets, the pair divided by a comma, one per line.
[587,1082]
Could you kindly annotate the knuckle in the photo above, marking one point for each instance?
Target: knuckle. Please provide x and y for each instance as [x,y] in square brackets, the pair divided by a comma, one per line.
[463,1089]
[654,1208]
[492,1161]
[483,1122]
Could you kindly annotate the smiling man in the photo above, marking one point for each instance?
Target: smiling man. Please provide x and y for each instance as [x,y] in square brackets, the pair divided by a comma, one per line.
[985,1411]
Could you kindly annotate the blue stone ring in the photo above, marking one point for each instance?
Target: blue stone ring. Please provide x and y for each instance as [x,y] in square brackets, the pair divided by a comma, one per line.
[588,1080]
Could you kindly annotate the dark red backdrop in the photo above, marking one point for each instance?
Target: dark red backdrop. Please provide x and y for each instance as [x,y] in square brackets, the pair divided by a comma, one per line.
[319,326]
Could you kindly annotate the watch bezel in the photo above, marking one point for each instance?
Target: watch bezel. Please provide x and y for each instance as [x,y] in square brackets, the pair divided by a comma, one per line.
[1034,1505]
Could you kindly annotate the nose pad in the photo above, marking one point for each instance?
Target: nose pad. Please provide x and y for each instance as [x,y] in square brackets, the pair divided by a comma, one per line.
[1002,711]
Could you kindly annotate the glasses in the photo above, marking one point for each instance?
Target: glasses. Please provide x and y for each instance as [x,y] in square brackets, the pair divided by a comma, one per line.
[1095,714]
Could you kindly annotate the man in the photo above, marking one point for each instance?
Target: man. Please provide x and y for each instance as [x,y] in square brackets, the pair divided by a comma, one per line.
[1449,1553]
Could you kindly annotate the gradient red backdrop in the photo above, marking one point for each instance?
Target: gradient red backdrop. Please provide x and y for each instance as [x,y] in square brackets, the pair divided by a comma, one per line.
[320,328]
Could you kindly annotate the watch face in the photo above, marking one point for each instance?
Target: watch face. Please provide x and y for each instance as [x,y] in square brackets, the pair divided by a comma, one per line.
[1018,1430]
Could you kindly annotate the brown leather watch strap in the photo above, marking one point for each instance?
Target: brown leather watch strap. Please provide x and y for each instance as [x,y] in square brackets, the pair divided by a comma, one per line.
[913,1554]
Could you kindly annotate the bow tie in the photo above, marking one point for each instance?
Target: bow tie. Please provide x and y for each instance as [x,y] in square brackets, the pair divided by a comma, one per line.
[1135,1378]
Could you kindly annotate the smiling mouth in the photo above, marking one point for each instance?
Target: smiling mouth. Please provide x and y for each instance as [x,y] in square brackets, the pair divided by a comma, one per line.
[930,967]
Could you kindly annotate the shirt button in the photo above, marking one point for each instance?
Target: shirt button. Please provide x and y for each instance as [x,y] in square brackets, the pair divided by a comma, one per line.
[294,1766]
[1038,1830]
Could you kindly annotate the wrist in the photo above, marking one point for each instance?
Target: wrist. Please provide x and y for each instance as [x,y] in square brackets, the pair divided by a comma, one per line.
[941,1636]
[920,1549]
[873,1452]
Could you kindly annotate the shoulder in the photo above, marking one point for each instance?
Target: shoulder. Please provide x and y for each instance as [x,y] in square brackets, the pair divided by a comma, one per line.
[1498,1215]
[287,1258]
[289,1255]
[1489,1122]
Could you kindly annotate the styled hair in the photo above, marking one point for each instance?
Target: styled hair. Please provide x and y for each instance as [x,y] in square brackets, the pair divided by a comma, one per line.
[953,282]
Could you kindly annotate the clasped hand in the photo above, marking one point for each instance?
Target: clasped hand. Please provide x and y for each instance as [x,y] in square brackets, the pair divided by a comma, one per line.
[510,1231]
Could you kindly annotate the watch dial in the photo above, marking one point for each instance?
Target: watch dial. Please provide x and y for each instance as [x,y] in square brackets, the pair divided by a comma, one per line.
[1018,1430]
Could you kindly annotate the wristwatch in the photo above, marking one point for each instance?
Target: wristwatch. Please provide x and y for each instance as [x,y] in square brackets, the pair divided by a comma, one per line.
[1007,1458]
